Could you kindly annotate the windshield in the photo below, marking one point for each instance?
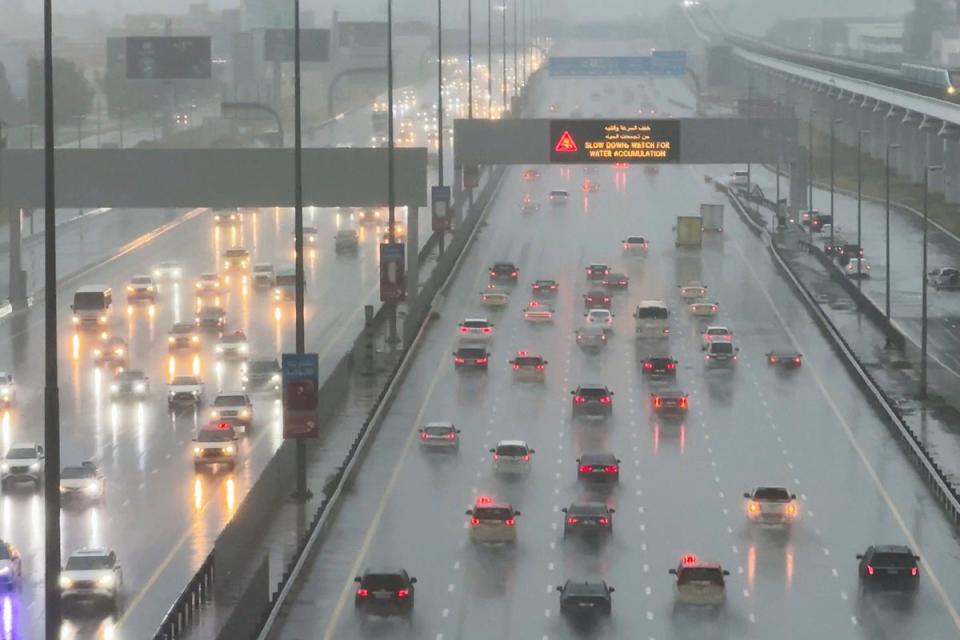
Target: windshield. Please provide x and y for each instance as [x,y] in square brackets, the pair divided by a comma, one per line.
[722,348]
[215,435]
[262,268]
[770,493]
[700,574]
[511,450]
[77,473]
[184,381]
[89,300]
[89,563]
[263,366]
[22,453]
[141,280]
[230,401]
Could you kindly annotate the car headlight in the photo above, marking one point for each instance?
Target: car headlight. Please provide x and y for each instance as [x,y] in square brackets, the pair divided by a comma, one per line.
[229,450]
[35,466]
[140,387]
[197,451]
[170,339]
[97,352]
[91,488]
[156,273]
[4,570]
[102,318]
[76,320]
[244,413]
[244,348]
[275,377]
[105,581]
[65,582]
[214,413]
[114,388]
[4,467]
[219,348]
[194,338]
[118,352]
[172,393]
[63,489]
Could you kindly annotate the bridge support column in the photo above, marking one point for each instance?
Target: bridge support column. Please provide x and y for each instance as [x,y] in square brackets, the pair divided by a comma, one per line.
[893,118]
[18,277]
[933,151]
[916,147]
[950,133]
[878,122]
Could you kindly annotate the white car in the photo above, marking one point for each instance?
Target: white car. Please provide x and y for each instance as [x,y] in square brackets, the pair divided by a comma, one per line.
[537,312]
[511,456]
[132,384]
[704,309]
[529,367]
[591,337]
[635,245]
[716,333]
[600,318]
[233,346]
[22,463]
[699,583]
[235,409]
[184,392]
[11,564]
[771,506]
[476,330]
[495,298]
[263,275]
[558,197]
[92,576]
[8,389]
[84,481]
[167,271]
[529,206]
[857,268]
[142,288]
[944,278]
[215,444]
[693,290]
[207,283]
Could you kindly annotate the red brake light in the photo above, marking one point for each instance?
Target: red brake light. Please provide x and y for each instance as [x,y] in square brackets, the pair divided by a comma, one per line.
[713,307]
[423,435]
[585,468]
[516,367]
[514,274]
[459,360]
[796,360]
[869,570]
[579,399]
[486,329]
[223,426]
[463,329]
[536,286]
[484,500]
[604,520]
[626,245]
[540,367]
[657,402]
[496,456]
[773,359]
[451,436]
[683,402]
[403,593]
[510,522]
[474,521]
[605,400]
[526,457]
[688,560]
[363,593]
[571,521]
[914,571]
[493,273]
[610,468]
[648,365]
[671,365]
[481,360]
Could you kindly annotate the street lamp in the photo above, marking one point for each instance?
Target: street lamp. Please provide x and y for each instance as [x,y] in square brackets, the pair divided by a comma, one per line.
[470,59]
[813,112]
[833,141]
[923,284]
[503,8]
[886,183]
[489,58]
[516,71]
[860,134]
[440,95]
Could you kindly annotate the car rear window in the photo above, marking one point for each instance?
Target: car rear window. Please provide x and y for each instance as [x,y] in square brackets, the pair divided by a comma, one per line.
[652,313]
[893,560]
[771,493]
[236,253]
[229,401]
[476,324]
[660,362]
[700,574]
[592,392]
[558,193]
[493,514]
[141,280]
[76,473]
[721,347]
[635,240]
[528,361]
[471,353]
[388,581]
[588,510]
[716,332]
[436,431]
[511,450]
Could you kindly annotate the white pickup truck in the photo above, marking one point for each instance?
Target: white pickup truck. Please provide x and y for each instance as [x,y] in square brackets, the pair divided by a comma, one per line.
[184,392]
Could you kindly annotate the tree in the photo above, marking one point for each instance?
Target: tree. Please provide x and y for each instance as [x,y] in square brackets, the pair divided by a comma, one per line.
[72,93]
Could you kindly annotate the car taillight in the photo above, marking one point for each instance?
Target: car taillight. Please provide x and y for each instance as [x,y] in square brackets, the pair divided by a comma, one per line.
[451,436]
[671,365]
[540,367]
[459,360]
[605,400]
[536,286]
[626,245]
[423,436]
[683,402]
[773,359]
[481,361]
[510,522]
[363,593]
[713,307]
[526,458]
[796,360]
[486,329]
[463,330]
[604,520]
[579,399]
[474,521]
[493,274]
[869,570]
[610,468]
[585,468]
[496,456]
[513,274]
[753,507]
[648,365]
[403,593]
[571,521]
[657,402]
[516,367]
[914,571]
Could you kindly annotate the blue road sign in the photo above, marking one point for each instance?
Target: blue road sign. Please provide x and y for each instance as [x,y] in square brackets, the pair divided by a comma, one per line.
[301,383]
[659,63]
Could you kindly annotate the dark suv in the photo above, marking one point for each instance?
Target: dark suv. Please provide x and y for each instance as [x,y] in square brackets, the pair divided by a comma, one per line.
[588,518]
[471,357]
[659,366]
[504,271]
[385,593]
[597,272]
[580,599]
[592,399]
[596,300]
[889,568]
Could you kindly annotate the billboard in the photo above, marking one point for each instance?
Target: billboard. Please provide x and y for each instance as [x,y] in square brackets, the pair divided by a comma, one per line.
[613,140]
[393,279]
[669,63]
[168,57]
[314,45]
[300,389]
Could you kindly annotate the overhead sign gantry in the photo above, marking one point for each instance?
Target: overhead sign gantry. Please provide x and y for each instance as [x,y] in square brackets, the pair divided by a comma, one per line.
[606,141]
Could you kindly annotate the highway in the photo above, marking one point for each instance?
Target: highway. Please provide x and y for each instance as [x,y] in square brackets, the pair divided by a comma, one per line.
[159,516]
[810,430]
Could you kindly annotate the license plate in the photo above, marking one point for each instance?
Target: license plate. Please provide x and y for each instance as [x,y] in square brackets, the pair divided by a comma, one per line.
[588,523]
[893,572]
[382,596]
[588,605]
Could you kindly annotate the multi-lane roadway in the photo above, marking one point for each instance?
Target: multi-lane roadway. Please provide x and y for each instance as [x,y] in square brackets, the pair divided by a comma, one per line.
[681,484]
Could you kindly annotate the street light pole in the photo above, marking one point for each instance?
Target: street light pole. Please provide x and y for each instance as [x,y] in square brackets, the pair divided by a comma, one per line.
[833,144]
[504,43]
[470,59]
[886,187]
[813,112]
[516,69]
[440,96]
[489,58]
[923,285]
[301,493]
[860,134]
[51,391]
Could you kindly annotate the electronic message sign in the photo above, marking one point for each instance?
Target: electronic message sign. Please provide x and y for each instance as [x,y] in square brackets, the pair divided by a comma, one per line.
[608,141]
[168,57]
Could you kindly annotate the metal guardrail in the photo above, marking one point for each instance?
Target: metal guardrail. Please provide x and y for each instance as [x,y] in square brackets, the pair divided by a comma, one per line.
[944,490]
[185,608]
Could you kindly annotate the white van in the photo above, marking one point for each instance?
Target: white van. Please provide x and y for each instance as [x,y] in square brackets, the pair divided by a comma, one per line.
[91,305]
[652,319]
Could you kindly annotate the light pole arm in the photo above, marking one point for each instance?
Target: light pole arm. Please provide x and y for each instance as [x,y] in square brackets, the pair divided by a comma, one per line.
[236,108]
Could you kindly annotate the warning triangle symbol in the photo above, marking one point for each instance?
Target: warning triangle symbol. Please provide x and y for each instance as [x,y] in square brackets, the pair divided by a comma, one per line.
[565,144]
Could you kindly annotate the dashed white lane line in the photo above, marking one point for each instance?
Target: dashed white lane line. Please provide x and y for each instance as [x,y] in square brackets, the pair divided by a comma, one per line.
[450,588]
